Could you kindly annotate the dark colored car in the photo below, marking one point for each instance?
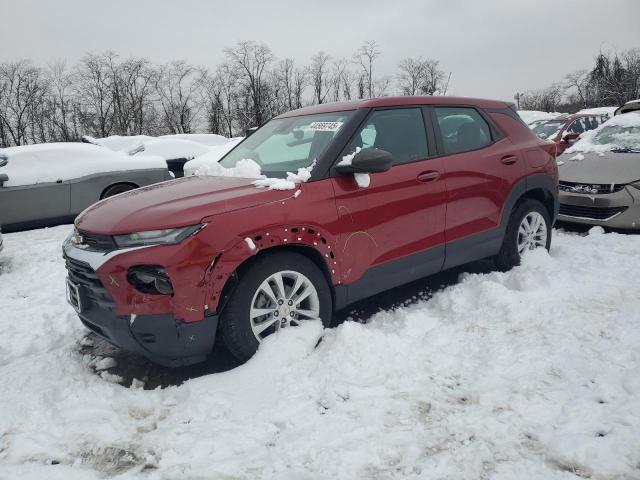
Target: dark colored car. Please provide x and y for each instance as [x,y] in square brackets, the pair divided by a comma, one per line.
[566,130]
[160,270]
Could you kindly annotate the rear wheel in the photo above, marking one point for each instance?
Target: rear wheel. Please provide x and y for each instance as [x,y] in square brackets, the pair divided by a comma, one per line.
[529,228]
[116,189]
[280,290]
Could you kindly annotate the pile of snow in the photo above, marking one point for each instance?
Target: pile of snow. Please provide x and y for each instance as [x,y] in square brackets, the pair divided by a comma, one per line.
[610,135]
[171,148]
[245,168]
[530,116]
[51,162]
[535,370]
[608,111]
[208,162]
[289,183]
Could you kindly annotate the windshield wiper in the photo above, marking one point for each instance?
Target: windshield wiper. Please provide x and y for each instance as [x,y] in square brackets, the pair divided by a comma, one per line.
[625,150]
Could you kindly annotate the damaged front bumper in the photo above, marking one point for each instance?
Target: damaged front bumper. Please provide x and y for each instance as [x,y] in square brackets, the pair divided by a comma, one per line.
[158,336]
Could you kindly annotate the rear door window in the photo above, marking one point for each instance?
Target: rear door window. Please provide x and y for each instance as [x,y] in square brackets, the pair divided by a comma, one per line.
[462,129]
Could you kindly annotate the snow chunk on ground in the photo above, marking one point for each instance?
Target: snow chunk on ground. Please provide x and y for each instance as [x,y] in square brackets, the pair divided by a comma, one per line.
[577,157]
[533,370]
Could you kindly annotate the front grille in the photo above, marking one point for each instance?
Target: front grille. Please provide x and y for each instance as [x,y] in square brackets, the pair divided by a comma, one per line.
[93,292]
[590,188]
[594,213]
[97,242]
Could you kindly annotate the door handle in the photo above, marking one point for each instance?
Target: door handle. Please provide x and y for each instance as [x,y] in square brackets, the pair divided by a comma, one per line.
[428,176]
[509,159]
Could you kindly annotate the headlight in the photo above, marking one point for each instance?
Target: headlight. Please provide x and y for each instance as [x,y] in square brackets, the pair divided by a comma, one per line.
[156,237]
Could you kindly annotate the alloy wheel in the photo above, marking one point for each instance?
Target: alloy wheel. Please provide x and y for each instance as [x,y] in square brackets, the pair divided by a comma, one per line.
[284,299]
[532,232]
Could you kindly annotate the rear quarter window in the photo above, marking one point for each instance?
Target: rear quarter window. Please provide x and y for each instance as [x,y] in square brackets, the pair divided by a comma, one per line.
[463,129]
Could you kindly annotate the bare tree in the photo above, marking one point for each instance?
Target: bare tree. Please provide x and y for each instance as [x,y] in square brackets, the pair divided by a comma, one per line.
[250,61]
[410,77]
[579,81]
[365,56]
[177,87]
[22,90]
[319,75]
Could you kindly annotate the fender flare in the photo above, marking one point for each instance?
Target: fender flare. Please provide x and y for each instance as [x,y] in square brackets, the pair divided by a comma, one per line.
[220,273]
[527,184]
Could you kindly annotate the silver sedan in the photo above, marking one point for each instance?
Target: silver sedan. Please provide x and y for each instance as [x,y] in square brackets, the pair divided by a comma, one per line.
[51,183]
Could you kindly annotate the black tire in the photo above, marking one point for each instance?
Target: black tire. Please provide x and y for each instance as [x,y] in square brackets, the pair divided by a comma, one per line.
[509,257]
[116,189]
[235,323]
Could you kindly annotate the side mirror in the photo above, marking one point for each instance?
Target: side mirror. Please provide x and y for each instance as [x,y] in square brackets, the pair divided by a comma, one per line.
[570,137]
[3,178]
[367,160]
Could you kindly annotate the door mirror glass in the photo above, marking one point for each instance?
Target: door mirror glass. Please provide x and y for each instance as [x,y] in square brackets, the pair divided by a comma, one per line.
[367,160]
[3,178]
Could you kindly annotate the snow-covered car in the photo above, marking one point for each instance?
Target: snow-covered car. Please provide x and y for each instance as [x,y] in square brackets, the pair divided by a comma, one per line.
[531,116]
[209,139]
[174,150]
[631,106]
[600,176]
[209,160]
[50,183]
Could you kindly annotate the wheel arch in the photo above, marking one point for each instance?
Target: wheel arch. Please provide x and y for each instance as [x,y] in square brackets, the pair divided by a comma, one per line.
[538,187]
[115,184]
[228,266]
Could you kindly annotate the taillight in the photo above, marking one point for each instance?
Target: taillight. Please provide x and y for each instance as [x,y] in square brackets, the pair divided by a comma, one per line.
[550,147]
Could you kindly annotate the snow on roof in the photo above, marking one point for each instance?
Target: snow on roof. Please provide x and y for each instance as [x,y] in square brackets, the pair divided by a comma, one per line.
[209,139]
[50,162]
[598,111]
[530,116]
[119,142]
[172,147]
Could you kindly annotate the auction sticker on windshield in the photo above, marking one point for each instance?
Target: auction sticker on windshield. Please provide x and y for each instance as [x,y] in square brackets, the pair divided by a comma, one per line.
[325,126]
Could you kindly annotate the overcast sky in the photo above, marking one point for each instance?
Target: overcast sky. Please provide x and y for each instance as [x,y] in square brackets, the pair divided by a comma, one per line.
[493,48]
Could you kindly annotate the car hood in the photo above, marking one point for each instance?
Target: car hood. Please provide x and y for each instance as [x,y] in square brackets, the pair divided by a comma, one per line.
[176,203]
[610,168]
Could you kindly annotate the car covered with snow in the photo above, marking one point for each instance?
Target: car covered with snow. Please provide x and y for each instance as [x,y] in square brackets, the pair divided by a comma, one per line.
[319,208]
[50,183]
[565,130]
[175,151]
[209,160]
[631,106]
[600,176]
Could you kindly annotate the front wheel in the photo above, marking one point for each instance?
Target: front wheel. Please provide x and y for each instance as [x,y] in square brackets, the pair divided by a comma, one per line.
[280,290]
[529,228]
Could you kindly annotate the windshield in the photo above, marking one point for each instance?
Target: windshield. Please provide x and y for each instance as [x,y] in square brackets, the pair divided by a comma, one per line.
[287,144]
[548,129]
[619,137]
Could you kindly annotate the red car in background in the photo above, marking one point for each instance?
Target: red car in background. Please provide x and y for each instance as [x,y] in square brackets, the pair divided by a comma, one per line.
[564,131]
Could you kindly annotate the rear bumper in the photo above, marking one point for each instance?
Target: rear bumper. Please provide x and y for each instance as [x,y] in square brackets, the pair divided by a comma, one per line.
[160,338]
[615,210]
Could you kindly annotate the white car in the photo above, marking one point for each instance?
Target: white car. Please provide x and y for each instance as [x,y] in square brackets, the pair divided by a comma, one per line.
[50,183]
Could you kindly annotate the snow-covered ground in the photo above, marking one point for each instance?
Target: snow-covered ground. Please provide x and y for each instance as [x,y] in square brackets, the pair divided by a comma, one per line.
[533,373]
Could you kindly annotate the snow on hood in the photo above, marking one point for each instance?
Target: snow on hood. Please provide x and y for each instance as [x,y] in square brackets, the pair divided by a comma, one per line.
[587,141]
[172,148]
[51,162]
[206,162]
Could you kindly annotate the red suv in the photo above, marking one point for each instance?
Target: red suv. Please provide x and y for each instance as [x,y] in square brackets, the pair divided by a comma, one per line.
[399,188]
